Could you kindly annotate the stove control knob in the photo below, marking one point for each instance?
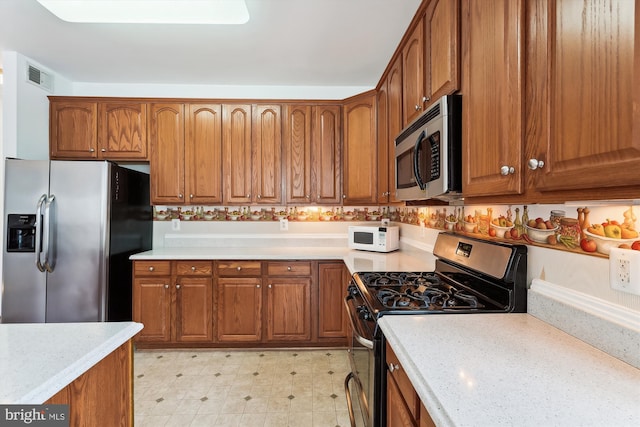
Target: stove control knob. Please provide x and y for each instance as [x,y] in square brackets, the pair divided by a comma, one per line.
[363,312]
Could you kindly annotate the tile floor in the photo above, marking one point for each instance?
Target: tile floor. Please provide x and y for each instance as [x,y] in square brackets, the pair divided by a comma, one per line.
[240,388]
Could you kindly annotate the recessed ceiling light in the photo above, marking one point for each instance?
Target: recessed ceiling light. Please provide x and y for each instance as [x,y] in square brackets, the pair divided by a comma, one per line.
[150,11]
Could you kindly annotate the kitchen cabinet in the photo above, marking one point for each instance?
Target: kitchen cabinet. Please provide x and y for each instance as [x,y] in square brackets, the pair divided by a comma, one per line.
[288,301]
[239,302]
[382,133]
[312,154]
[72,129]
[252,154]
[194,301]
[87,129]
[567,134]
[359,166]
[493,91]
[424,418]
[413,93]
[186,162]
[174,301]
[442,49]
[403,404]
[152,300]
[332,284]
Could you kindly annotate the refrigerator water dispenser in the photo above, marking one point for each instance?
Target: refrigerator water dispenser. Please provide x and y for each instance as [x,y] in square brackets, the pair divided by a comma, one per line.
[21,233]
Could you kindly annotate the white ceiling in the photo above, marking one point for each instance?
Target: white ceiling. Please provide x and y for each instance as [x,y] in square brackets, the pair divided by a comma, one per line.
[286,42]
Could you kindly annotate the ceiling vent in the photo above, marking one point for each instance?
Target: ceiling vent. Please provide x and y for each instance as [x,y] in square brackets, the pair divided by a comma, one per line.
[39,78]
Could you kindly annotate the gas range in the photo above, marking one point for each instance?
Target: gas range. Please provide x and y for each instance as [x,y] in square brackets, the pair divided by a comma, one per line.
[471,276]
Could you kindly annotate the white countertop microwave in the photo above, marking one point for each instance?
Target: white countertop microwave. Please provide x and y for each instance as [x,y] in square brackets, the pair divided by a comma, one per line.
[375,238]
[429,153]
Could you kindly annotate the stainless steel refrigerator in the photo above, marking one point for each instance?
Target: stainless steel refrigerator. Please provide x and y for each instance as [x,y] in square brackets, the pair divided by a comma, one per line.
[70,227]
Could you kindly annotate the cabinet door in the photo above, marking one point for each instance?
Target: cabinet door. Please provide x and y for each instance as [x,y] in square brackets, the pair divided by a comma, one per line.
[493,107]
[413,73]
[203,154]
[167,153]
[266,160]
[442,47]
[581,95]
[194,309]
[122,130]
[236,153]
[398,414]
[289,309]
[239,309]
[326,155]
[297,153]
[360,150]
[73,129]
[152,308]
[382,123]
[332,319]
[394,121]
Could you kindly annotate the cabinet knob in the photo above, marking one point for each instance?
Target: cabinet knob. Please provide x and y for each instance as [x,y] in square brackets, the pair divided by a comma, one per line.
[259,196]
[344,196]
[506,170]
[193,268]
[238,268]
[417,107]
[535,164]
[177,286]
[426,98]
[180,196]
[191,196]
[258,286]
[393,367]
[166,286]
[308,196]
[91,150]
[104,150]
[152,268]
[248,196]
[288,268]
[269,286]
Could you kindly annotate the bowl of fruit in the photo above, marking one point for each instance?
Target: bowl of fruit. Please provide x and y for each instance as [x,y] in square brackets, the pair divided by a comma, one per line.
[348,215]
[234,215]
[500,226]
[209,215]
[450,222]
[256,216]
[470,225]
[609,235]
[162,215]
[539,230]
[186,215]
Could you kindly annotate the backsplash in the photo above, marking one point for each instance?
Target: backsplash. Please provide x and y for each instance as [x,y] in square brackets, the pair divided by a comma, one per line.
[591,230]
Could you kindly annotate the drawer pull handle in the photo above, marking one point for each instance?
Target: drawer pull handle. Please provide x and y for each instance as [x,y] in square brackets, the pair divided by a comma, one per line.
[393,367]
[289,268]
[193,268]
[239,268]
[151,268]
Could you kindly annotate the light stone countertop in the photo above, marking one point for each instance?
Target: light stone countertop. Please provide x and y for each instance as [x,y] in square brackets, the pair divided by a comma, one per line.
[402,260]
[38,360]
[511,370]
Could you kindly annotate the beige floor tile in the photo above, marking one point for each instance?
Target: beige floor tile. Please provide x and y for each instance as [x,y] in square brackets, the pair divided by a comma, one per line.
[203,420]
[324,419]
[179,420]
[278,404]
[234,405]
[229,420]
[153,421]
[276,419]
[257,405]
[188,406]
[301,419]
[253,420]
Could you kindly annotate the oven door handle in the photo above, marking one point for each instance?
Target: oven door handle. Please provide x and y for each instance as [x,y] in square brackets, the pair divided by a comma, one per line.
[357,334]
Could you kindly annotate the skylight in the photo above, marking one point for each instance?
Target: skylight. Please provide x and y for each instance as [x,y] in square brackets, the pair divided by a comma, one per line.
[150,11]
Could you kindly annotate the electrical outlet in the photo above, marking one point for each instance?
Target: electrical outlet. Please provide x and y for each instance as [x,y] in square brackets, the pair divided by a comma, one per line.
[624,270]
[175,224]
[284,224]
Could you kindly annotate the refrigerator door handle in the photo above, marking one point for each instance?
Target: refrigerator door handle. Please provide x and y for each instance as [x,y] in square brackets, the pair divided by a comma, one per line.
[38,248]
[49,256]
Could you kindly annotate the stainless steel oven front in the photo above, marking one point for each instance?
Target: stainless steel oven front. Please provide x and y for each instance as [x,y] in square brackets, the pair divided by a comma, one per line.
[360,383]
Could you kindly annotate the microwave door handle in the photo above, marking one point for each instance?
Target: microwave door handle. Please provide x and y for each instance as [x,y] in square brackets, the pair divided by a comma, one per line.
[38,248]
[416,160]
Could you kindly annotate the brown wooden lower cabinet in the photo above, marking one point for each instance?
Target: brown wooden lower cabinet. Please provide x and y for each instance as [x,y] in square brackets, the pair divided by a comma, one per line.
[240,303]
[104,394]
[404,407]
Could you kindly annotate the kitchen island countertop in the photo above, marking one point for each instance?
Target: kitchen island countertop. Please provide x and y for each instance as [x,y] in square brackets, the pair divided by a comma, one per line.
[511,369]
[402,260]
[39,359]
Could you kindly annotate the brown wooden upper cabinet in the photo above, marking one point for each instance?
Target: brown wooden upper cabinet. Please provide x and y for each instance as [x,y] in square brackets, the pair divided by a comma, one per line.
[413,76]
[92,129]
[567,134]
[186,145]
[252,153]
[389,125]
[312,154]
[359,150]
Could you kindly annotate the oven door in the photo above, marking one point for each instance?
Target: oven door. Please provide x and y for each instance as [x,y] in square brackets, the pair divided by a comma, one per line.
[359,384]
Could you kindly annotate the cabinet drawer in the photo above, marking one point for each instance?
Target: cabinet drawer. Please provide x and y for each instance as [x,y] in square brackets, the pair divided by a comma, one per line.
[404,384]
[152,268]
[239,268]
[194,268]
[293,268]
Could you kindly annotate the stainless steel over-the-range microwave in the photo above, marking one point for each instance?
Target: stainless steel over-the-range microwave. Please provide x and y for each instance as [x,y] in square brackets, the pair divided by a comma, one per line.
[429,153]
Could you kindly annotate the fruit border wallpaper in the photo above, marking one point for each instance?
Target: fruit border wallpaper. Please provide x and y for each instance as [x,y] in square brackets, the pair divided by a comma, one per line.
[581,229]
